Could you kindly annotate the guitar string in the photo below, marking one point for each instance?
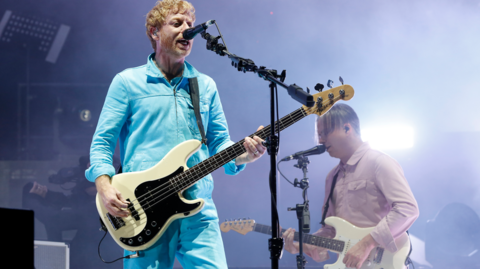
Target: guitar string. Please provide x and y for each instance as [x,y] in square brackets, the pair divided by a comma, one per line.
[306,238]
[297,117]
[337,245]
[169,193]
[238,151]
[207,164]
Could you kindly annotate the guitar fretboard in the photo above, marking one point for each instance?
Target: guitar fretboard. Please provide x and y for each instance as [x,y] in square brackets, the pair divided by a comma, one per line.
[197,172]
[328,243]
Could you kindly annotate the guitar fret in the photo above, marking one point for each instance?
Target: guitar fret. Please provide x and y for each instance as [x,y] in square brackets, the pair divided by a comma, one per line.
[209,165]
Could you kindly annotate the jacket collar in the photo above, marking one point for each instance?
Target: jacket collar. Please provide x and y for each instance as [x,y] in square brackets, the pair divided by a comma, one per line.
[358,154]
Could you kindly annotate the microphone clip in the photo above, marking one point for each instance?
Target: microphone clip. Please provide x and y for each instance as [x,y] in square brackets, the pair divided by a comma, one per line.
[302,184]
[213,45]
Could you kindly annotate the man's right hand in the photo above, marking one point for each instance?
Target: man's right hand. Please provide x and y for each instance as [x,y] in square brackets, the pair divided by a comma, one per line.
[112,199]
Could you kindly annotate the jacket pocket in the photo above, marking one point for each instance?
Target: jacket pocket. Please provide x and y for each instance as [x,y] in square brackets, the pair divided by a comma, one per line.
[357,194]
[192,119]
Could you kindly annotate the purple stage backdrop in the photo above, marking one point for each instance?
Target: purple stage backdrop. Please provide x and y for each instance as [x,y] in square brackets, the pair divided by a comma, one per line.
[411,63]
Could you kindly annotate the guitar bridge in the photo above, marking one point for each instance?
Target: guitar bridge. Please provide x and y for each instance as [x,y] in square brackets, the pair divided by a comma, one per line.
[117,223]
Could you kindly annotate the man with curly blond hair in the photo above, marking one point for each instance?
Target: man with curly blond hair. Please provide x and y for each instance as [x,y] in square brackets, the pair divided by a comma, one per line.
[150,110]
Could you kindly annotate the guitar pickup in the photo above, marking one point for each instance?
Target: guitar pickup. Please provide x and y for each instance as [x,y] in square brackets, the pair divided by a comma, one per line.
[133,211]
[117,223]
[378,255]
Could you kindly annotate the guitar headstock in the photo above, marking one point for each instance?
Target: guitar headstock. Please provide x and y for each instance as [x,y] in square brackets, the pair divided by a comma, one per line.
[241,226]
[326,99]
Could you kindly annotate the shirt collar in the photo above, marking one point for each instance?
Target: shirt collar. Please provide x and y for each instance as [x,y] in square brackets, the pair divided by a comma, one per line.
[152,70]
[358,154]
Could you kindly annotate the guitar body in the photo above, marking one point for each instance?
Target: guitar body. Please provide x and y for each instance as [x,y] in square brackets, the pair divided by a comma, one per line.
[150,218]
[378,258]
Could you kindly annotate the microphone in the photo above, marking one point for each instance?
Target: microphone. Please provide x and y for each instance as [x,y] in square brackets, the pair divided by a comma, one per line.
[313,151]
[190,33]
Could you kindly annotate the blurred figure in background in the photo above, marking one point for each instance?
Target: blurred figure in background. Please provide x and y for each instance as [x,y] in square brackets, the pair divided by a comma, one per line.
[60,212]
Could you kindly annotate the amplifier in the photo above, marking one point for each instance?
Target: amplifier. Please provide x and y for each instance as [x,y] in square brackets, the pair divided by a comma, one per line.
[51,255]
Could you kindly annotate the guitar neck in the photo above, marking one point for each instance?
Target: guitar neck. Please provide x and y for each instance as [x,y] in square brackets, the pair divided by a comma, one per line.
[328,243]
[216,161]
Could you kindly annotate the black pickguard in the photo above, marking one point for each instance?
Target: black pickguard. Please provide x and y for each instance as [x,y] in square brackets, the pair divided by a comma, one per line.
[157,212]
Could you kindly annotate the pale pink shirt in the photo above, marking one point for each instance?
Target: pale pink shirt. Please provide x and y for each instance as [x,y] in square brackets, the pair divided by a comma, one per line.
[371,191]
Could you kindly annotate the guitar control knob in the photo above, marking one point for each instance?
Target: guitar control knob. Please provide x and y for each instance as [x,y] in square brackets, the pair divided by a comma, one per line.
[147,232]
[140,239]
[130,241]
[154,223]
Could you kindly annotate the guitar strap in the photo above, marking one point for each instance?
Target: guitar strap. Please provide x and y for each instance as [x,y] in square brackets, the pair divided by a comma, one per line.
[195,96]
[327,204]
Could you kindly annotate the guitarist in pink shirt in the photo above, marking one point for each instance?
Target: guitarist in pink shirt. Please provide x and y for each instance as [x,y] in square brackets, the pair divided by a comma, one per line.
[370,190]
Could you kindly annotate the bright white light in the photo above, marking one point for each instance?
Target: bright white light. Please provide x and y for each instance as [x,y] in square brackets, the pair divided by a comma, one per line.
[389,137]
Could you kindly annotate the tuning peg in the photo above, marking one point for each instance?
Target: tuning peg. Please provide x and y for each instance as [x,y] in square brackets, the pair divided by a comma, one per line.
[330,83]
[341,79]
[308,90]
[319,87]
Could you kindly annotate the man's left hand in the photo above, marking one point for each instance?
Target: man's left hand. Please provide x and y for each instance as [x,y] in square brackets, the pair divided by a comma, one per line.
[359,252]
[39,189]
[254,150]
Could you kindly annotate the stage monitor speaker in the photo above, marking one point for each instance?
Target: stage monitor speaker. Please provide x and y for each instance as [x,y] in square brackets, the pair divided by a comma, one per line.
[51,255]
[19,224]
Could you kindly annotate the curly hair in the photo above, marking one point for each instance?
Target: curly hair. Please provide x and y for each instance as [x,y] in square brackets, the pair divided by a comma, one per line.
[156,17]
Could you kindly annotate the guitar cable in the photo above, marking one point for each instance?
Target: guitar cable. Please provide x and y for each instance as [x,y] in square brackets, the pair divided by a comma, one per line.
[131,256]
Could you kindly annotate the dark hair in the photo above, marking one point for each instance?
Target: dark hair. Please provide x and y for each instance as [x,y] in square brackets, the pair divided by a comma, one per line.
[337,116]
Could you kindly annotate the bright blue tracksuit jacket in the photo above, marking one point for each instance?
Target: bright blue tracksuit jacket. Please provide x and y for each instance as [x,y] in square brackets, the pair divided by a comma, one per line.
[150,116]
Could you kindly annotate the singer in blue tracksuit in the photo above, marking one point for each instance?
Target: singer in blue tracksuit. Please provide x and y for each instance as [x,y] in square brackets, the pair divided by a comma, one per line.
[150,110]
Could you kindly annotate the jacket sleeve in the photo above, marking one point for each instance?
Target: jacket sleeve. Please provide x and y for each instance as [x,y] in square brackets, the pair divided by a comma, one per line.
[218,137]
[404,209]
[112,118]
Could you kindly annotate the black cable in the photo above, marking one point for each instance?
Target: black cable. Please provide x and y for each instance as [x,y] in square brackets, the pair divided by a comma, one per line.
[126,257]
[278,168]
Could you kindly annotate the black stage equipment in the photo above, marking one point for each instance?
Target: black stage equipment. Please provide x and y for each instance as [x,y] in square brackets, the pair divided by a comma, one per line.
[190,33]
[453,238]
[272,142]
[19,248]
[313,151]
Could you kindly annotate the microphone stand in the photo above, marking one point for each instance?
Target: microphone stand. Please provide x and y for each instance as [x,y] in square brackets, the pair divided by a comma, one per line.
[303,213]
[297,93]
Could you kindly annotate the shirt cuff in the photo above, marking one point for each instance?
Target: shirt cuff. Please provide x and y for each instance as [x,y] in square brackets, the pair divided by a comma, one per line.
[96,170]
[232,169]
[383,236]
